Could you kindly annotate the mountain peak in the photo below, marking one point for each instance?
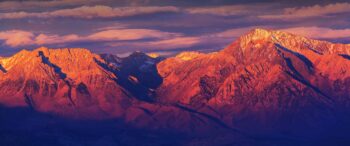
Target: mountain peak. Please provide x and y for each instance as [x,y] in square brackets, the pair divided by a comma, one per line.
[64,52]
[153,55]
[259,38]
[266,34]
[260,31]
[256,36]
[188,55]
[48,50]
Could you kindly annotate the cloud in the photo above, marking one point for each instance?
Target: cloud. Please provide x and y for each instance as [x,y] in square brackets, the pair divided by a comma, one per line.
[103,11]
[89,12]
[162,44]
[43,39]
[179,42]
[230,10]
[223,10]
[233,33]
[16,5]
[15,38]
[310,32]
[130,34]
[311,11]
[115,25]
[319,32]
[154,39]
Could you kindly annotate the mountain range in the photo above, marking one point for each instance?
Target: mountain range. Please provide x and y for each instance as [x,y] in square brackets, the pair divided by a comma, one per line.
[267,84]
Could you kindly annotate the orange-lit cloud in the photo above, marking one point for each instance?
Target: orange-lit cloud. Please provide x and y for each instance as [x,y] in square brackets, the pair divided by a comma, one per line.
[130,34]
[14,5]
[158,39]
[179,42]
[88,12]
[43,39]
[103,11]
[227,10]
[234,33]
[223,10]
[170,43]
[311,11]
[319,32]
[310,32]
[15,38]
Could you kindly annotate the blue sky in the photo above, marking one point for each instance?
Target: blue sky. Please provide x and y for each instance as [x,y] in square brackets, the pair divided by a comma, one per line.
[163,26]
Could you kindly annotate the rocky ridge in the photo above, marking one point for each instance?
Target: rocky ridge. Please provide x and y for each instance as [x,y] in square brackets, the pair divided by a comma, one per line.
[266,82]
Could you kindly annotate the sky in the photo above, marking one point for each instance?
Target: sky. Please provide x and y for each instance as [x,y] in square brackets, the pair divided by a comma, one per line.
[162,26]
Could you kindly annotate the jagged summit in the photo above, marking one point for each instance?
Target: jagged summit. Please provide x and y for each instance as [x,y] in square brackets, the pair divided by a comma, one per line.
[71,78]
[71,60]
[260,33]
[253,83]
[77,80]
[63,51]
[268,39]
[189,55]
[46,51]
[243,66]
[153,55]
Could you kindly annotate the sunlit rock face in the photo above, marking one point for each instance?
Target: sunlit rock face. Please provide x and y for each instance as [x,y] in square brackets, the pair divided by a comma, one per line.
[65,81]
[264,80]
[264,83]
[253,62]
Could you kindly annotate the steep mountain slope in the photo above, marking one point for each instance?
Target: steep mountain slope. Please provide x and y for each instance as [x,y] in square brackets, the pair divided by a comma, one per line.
[76,83]
[261,53]
[265,80]
[266,84]
[60,81]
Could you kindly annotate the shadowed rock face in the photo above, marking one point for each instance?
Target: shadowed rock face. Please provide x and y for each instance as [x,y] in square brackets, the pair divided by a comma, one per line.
[266,85]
